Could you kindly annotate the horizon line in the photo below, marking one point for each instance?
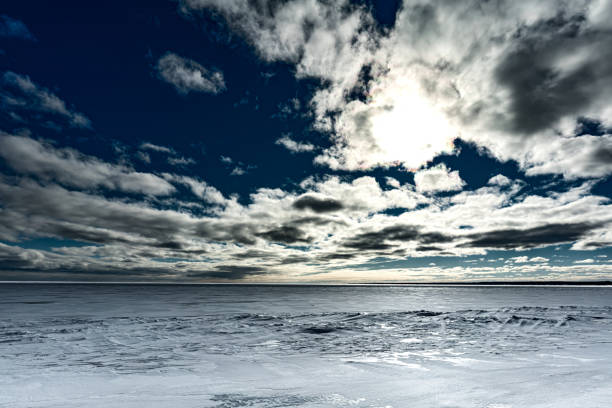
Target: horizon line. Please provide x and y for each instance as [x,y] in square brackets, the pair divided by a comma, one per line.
[433,283]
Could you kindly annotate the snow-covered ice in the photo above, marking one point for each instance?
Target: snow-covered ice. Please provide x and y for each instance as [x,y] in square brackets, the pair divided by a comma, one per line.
[304,346]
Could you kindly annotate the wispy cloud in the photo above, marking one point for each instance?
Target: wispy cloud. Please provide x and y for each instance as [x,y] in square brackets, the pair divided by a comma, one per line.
[187,75]
[12,28]
[143,156]
[72,168]
[181,161]
[156,148]
[526,259]
[238,171]
[239,168]
[19,93]
[172,159]
[199,188]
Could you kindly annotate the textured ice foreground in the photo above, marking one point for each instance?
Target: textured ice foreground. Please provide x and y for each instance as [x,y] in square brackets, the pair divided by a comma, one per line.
[290,346]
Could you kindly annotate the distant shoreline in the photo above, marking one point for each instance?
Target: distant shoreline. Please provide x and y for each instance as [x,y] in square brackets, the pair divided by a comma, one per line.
[476,283]
[494,283]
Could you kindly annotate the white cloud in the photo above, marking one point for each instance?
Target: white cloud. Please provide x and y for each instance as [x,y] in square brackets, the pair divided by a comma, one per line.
[239,167]
[526,259]
[397,125]
[293,146]
[72,168]
[574,157]
[157,148]
[180,161]
[173,159]
[143,156]
[19,92]
[392,182]
[199,188]
[188,76]
[342,223]
[499,180]
[516,86]
[338,223]
[585,261]
[364,195]
[437,178]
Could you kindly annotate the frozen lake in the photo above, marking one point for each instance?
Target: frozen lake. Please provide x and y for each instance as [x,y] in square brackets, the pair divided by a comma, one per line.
[304,346]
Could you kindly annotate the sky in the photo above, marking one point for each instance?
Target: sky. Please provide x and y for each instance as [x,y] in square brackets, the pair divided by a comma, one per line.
[306,141]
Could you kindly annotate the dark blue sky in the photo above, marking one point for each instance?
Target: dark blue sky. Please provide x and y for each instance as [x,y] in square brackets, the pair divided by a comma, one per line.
[204,140]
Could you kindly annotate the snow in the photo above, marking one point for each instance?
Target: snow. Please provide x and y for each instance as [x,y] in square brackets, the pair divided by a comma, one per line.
[287,346]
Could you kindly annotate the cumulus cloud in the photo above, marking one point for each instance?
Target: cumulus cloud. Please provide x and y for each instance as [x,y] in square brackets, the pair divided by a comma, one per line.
[533,237]
[317,204]
[293,146]
[574,157]
[437,178]
[71,168]
[388,237]
[19,94]
[516,87]
[499,180]
[327,228]
[287,234]
[188,76]
[249,235]
[364,194]
[392,182]
[520,88]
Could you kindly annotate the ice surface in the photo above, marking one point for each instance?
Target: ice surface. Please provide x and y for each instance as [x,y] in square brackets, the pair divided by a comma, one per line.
[304,346]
